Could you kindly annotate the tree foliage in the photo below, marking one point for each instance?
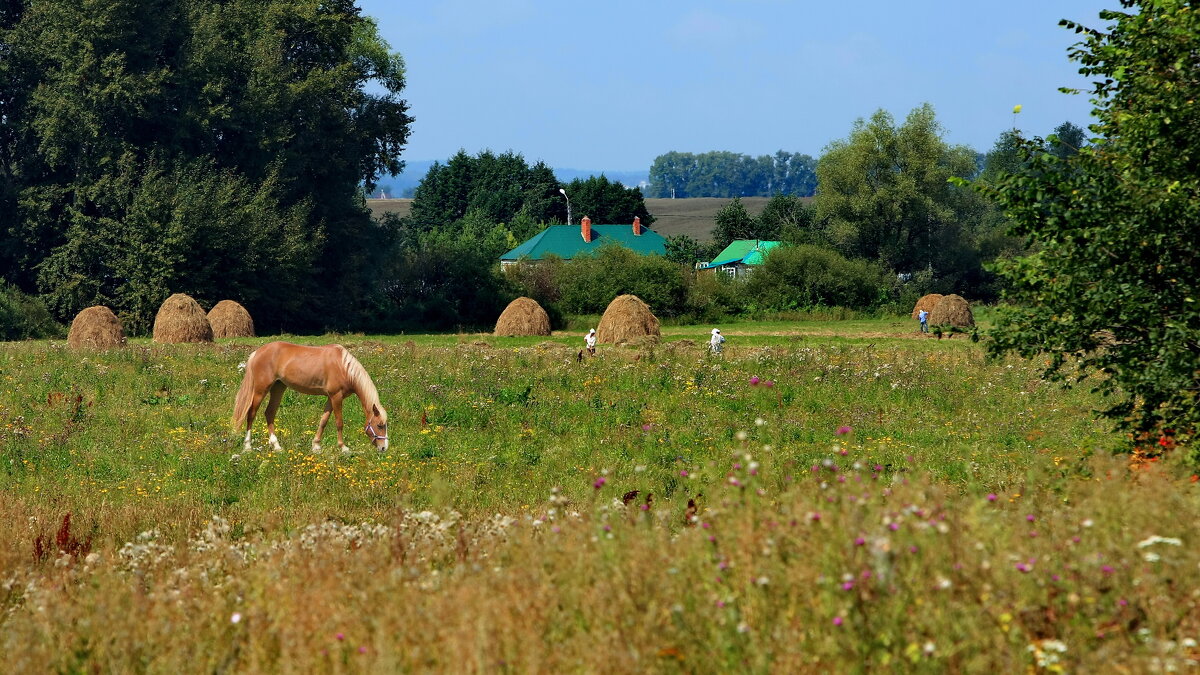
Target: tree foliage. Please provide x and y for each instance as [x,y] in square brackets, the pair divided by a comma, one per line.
[680,175]
[259,105]
[498,187]
[799,277]
[607,202]
[1111,287]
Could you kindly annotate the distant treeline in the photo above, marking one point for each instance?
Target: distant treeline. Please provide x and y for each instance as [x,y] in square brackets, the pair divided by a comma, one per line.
[677,175]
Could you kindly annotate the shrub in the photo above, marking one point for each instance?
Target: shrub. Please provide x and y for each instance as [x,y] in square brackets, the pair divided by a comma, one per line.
[24,317]
[793,277]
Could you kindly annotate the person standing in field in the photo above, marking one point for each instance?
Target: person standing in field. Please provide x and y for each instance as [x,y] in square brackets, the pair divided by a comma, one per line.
[923,317]
[589,341]
[717,340]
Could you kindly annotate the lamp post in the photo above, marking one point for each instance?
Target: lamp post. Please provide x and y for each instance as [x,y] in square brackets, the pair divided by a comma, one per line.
[564,194]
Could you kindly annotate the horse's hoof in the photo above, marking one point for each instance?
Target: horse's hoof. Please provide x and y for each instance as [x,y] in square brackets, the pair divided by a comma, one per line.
[316,447]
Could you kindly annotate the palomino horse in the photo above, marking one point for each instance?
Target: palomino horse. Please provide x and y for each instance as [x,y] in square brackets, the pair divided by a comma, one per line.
[329,371]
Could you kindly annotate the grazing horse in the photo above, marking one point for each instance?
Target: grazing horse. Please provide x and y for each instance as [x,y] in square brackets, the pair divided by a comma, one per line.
[329,371]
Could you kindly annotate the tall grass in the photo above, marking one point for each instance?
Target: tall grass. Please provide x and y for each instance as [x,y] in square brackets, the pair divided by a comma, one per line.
[802,503]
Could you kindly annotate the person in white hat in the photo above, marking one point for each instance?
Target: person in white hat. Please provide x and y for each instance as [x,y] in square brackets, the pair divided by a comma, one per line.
[589,341]
[716,341]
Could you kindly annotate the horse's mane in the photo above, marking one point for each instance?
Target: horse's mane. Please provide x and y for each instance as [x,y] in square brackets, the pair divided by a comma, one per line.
[362,381]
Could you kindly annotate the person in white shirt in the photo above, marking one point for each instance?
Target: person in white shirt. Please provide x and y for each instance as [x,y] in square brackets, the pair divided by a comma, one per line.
[716,341]
[589,341]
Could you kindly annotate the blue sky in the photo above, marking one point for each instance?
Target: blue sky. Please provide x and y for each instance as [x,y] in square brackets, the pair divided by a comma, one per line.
[611,85]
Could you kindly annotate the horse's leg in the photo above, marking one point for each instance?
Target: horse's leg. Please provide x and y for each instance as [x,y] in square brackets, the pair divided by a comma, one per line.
[316,446]
[336,401]
[253,410]
[277,390]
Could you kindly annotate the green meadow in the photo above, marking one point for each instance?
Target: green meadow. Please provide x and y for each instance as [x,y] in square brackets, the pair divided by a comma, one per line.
[824,495]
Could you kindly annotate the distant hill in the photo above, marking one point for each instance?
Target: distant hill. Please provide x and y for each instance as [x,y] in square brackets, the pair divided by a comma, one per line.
[402,186]
[694,217]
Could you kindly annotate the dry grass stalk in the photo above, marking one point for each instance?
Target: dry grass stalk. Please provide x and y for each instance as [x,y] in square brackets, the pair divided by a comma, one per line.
[927,303]
[626,318]
[96,328]
[952,310]
[230,320]
[181,319]
[523,316]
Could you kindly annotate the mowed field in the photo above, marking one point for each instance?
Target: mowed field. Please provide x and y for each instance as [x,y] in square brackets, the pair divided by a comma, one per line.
[824,497]
[694,217]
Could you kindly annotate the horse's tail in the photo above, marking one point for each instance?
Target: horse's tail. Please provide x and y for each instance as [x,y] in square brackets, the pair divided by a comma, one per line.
[245,394]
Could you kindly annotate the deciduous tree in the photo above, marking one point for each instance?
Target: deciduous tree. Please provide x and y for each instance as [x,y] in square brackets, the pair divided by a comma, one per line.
[1111,292]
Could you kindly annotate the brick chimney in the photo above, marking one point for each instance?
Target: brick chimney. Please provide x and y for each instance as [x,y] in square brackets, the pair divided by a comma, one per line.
[637,226]
[585,229]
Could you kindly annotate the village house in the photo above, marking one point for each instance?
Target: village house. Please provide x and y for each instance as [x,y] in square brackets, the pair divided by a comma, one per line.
[740,257]
[569,241]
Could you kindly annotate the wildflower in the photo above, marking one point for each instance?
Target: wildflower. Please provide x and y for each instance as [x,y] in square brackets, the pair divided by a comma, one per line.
[859,541]
[362,650]
[837,620]
[769,383]
[683,473]
[236,618]
[758,421]
[843,430]
[754,381]
[1155,539]
[1107,569]
[991,497]
[340,636]
[848,585]
[599,482]
[1029,517]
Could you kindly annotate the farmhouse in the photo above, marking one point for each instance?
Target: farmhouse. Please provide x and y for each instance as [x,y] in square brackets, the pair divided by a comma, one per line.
[568,241]
[740,257]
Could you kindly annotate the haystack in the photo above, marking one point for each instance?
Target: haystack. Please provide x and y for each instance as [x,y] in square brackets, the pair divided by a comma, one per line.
[952,310]
[927,303]
[523,316]
[626,318]
[180,319]
[230,320]
[96,328]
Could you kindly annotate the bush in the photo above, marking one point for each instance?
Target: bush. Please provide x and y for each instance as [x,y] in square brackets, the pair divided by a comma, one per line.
[24,317]
[794,277]
[589,283]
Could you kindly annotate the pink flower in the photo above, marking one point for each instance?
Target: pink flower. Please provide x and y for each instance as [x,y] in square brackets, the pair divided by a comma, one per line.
[599,482]
[991,497]
[859,541]
[340,636]
[1030,518]
[837,620]
[843,430]
[849,585]
[683,473]
[754,381]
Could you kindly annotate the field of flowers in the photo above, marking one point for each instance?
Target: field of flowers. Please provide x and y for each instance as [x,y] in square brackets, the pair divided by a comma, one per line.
[822,497]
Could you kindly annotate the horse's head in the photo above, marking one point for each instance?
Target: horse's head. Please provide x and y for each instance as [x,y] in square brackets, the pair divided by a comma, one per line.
[376,427]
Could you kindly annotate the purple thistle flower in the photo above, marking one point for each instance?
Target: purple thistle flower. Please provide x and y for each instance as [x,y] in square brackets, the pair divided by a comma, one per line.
[683,473]
[893,526]
[1030,518]
[849,585]
[991,497]
[1107,569]
[754,381]
[859,541]
[837,620]
[600,482]
[843,430]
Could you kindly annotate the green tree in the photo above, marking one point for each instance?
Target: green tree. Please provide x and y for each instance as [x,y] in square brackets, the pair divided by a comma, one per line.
[1066,140]
[685,250]
[499,186]
[884,194]
[607,202]
[735,222]
[1111,287]
[797,277]
[267,94]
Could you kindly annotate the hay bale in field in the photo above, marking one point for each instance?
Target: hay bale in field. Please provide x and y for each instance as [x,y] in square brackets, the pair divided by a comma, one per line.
[927,303]
[180,319]
[523,316]
[626,318]
[952,310]
[230,320]
[96,328]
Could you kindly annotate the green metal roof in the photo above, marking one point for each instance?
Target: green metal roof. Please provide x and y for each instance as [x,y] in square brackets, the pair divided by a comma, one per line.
[745,251]
[566,241]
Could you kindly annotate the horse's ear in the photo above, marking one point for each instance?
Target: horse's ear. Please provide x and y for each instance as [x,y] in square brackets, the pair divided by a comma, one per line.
[375,409]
